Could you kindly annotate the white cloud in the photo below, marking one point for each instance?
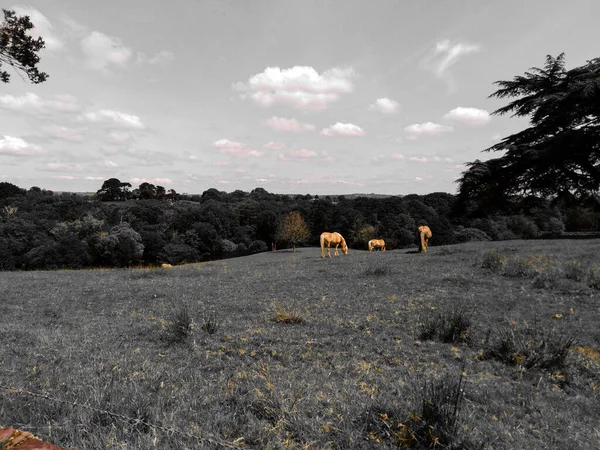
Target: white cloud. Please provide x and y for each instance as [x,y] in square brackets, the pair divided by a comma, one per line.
[119,137]
[428,128]
[161,57]
[32,103]
[64,133]
[398,156]
[301,87]
[103,51]
[275,145]
[42,27]
[418,159]
[303,154]
[155,181]
[14,146]
[64,177]
[298,155]
[471,116]
[235,148]
[222,163]
[110,164]
[384,105]
[445,55]
[283,124]
[448,54]
[95,178]
[60,167]
[108,116]
[343,129]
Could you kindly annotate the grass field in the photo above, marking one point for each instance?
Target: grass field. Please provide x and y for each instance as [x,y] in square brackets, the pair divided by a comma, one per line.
[481,345]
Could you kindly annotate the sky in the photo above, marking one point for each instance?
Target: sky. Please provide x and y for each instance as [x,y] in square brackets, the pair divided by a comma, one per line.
[294,96]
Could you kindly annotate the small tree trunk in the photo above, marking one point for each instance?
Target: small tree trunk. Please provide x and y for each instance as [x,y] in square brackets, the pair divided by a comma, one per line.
[294,248]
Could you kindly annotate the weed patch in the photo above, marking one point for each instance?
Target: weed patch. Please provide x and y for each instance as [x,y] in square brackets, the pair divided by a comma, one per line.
[449,327]
[493,260]
[283,315]
[531,349]
[179,328]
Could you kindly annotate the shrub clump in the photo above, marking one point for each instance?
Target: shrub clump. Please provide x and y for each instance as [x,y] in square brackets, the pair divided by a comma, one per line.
[526,267]
[434,425]
[530,349]
[179,328]
[448,327]
[472,234]
[493,260]
[283,315]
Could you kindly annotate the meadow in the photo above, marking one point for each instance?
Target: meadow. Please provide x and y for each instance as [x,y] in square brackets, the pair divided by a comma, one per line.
[478,345]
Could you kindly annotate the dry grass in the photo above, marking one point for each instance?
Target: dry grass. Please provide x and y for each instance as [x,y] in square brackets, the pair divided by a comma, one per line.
[350,371]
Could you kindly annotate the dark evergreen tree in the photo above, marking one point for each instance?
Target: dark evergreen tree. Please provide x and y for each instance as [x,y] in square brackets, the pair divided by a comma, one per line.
[18,49]
[559,153]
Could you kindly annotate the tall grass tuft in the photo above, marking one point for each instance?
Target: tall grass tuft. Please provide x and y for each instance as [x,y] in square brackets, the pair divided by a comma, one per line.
[531,349]
[179,329]
[449,327]
[283,315]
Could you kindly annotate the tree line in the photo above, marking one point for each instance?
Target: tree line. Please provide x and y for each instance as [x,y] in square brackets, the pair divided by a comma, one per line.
[40,229]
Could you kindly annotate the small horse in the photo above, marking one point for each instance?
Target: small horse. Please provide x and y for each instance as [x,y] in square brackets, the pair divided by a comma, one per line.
[377,243]
[424,236]
[166,266]
[332,238]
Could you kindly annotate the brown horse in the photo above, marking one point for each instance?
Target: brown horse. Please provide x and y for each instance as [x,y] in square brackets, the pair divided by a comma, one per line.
[332,238]
[377,243]
[424,236]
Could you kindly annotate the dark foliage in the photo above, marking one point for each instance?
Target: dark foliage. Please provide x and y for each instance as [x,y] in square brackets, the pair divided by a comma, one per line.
[43,230]
[18,49]
[559,154]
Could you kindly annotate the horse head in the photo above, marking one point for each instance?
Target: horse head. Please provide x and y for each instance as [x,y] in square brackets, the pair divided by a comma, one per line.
[344,248]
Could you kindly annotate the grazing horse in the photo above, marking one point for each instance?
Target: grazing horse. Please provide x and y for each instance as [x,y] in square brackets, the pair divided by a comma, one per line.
[332,238]
[424,236]
[377,243]
[166,266]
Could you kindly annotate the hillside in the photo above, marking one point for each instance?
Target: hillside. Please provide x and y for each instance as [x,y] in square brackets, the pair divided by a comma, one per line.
[288,350]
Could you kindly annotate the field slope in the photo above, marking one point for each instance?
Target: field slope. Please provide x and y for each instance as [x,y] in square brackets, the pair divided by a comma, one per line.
[288,350]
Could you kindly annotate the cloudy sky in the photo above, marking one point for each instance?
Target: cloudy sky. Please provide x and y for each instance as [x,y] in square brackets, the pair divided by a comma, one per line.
[295,96]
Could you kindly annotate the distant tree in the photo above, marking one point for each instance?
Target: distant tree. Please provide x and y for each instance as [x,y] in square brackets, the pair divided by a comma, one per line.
[121,247]
[10,190]
[113,190]
[147,191]
[559,153]
[293,229]
[18,49]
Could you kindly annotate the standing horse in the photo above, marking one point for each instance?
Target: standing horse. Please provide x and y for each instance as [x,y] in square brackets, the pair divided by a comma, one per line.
[332,238]
[424,236]
[377,243]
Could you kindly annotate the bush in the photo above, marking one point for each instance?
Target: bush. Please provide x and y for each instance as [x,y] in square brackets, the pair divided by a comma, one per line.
[493,260]
[523,227]
[526,267]
[472,234]
[178,254]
